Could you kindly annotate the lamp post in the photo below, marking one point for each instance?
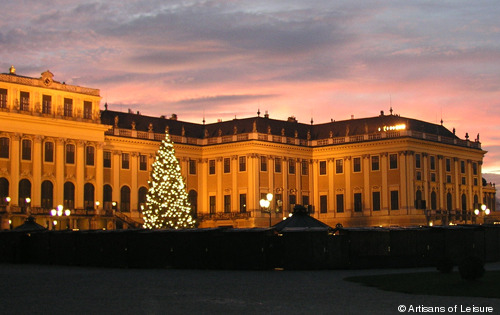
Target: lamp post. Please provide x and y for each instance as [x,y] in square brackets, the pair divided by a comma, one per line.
[265,204]
[57,214]
[482,211]
[28,203]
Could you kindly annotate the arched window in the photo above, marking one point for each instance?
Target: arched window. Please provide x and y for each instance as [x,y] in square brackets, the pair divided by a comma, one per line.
[47,195]
[4,190]
[125,199]
[433,200]
[143,191]
[449,202]
[193,200]
[24,193]
[88,196]
[418,200]
[107,197]
[69,195]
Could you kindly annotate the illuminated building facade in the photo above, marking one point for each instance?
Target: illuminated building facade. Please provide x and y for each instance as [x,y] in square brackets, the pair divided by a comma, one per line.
[58,148]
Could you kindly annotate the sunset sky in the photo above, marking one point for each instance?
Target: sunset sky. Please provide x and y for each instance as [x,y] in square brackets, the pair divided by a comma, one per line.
[317,59]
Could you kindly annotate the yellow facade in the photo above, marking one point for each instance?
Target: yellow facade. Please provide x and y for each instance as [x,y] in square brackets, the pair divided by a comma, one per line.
[385,170]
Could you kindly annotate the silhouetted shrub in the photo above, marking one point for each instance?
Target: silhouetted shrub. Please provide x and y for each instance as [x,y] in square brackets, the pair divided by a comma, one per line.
[445,265]
[471,268]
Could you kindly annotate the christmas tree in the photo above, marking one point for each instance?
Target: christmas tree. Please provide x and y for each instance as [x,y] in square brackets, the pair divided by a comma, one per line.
[167,204]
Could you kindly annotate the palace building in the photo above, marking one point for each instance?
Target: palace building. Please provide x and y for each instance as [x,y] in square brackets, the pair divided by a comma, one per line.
[73,166]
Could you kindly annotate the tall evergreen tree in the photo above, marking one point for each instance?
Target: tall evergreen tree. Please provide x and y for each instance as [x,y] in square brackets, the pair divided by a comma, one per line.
[167,204]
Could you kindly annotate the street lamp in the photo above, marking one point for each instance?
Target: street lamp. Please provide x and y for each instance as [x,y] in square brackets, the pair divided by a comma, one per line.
[483,211]
[265,204]
[59,213]
[28,202]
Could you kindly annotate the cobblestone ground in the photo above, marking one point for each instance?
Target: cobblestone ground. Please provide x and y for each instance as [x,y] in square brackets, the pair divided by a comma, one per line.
[32,289]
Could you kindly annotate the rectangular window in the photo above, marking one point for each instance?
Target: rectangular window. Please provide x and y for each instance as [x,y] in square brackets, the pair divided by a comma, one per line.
[3,98]
[305,167]
[4,148]
[462,167]
[46,104]
[419,175]
[26,150]
[243,203]
[432,162]
[375,163]
[340,203]
[227,165]
[143,162]
[87,110]
[263,163]
[448,179]
[49,152]
[292,200]
[243,163]
[70,154]
[323,203]
[474,168]
[291,166]
[376,200]
[358,204]
[68,107]
[107,159]
[125,161]
[192,167]
[418,161]
[212,204]
[278,202]
[464,181]
[89,156]
[394,200]
[227,203]
[393,161]
[448,165]
[277,165]
[305,200]
[433,177]
[322,167]
[475,181]
[356,165]
[211,167]
[24,102]
[339,166]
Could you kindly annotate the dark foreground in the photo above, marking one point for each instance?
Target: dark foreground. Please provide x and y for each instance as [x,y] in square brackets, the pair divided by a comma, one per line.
[42,289]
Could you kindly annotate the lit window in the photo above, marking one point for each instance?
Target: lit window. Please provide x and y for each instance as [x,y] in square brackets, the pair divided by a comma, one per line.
[339,166]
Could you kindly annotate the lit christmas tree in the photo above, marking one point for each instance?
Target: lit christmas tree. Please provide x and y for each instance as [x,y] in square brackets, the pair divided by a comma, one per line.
[167,204]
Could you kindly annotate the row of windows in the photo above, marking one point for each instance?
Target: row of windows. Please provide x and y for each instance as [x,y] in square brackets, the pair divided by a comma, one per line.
[227,203]
[358,202]
[47,108]
[47,195]
[449,178]
[69,158]
[448,164]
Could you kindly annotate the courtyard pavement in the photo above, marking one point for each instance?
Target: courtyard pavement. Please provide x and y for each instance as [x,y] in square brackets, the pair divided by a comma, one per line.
[40,289]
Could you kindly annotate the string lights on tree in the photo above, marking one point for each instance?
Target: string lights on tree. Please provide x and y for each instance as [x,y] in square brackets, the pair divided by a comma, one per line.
[167,204]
